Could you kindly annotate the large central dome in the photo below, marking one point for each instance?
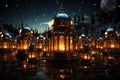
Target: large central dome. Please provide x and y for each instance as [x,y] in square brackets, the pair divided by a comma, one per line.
[61,20]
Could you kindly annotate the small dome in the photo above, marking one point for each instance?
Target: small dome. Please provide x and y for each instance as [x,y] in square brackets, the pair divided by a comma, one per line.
[26,31]
[110,30]
[83,35]
[41,36]
[6,36]
[100,38]
[62,15]
[62,20]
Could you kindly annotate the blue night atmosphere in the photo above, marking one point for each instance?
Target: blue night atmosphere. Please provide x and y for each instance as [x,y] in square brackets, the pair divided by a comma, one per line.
[59,39]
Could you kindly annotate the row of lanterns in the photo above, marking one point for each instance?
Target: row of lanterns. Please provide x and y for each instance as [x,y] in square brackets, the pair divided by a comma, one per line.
[62,42]
[57,43]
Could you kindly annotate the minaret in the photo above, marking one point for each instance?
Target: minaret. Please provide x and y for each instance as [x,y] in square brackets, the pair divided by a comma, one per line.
[82,17]
[22,24]
[79,20]
[61,8]
[92,19]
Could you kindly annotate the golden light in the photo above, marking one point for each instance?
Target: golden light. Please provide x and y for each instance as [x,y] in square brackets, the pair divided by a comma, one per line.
[93,52]
[61,43]
[61,47]
[86,56]
[25,47]
[112,46]
[61,70]
[32,55]
[62,76]
[110,57]
[106,33]
[5,46]
[25,66]
[85,67]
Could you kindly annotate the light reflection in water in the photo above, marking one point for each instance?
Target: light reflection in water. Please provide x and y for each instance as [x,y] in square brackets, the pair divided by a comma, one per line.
[61,71]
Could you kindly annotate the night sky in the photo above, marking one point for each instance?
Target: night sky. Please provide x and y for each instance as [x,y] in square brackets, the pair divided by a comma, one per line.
[37,12]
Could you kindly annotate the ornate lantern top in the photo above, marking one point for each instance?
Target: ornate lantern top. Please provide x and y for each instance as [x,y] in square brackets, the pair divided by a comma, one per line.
[26,31]
[61,21]
[6,36]
[110,32]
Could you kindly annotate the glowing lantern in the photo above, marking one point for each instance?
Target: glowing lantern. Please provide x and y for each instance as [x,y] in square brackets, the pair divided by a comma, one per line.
[62,40]
[111,39]
[6,46]
[82,40]
[24,38]
[32,54]
[39,44]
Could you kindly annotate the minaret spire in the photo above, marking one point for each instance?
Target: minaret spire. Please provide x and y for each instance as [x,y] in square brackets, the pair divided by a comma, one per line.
[61,8]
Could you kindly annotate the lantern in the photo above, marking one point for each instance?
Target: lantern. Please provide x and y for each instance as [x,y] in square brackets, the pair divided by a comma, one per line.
[24,38]
[61,40]
[6,46]
[111,39]
[32,53]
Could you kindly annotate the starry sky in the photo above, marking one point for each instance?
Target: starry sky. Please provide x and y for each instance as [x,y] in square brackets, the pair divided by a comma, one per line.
[36,13]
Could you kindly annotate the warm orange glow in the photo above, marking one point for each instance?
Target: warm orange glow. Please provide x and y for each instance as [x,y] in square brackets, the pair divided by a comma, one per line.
[39,46]
[93,58]
[45,48]
[110,57]
[32,55]
[55,44]
[5,46]
[61,70]
[67,43]
[81,47]
[62,76]
[112,46]
[93,52]
[71,43]
[85,67]
[24,66]
[25,47]
[61,43]
[86,57]
[62,47]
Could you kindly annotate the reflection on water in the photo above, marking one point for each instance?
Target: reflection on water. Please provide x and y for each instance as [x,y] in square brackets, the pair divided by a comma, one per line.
[57,71]
[62,71]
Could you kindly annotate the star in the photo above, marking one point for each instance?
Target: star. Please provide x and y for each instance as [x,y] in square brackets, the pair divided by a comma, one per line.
[44,15]
[1,18]
[82,2]
[34,11]
[94,4]
[36,19]
[45,8]
[20,10]
[119,6]
[17,5]
[6,5]
[79,10]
